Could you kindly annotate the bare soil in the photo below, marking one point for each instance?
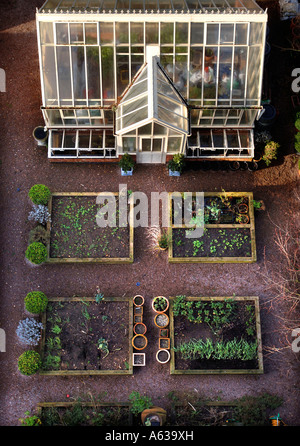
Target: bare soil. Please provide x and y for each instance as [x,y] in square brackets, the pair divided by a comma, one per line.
[24,164]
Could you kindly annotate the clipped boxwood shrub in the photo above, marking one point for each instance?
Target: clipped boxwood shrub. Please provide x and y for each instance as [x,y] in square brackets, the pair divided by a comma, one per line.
[29,362]
[36,253]
[39,194]
[36,302]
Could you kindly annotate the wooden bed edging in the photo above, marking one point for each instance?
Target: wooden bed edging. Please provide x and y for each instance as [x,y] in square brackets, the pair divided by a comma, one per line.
[251,225]
[258,371]
[105,260]
[128,371]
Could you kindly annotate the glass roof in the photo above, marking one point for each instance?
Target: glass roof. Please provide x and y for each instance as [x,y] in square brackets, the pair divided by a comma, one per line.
[152,5]
[152,97]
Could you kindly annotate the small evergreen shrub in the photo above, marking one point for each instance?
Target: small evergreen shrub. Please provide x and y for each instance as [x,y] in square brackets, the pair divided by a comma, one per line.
[36,302]
[39,194]
[29,362]
[126,162]
[36,253]
[29,331]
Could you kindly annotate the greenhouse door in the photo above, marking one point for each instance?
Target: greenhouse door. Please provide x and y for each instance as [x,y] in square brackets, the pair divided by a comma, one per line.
[151,150]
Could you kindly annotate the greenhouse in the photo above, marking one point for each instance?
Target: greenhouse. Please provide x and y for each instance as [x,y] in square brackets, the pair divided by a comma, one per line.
[151,78]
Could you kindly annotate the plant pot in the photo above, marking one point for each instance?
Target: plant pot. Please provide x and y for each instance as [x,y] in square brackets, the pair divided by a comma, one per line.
[140,328]
[244,219]
[174,173]
[163,356]
[138,359]
[164,333]
[138,300]
[243,208]
[161,320]
[137,318]
[268,117]
[139,342]
[164,343]
[40,135]
[128,173]
[138,311]
[253,166]
[234,165]
[166,304]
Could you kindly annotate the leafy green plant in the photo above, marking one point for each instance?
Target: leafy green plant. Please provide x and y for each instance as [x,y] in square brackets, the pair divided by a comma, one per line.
[253,410]
[36,302]
[164,240]
[36,253]
[139,402]
[160,303]
[177,163]
[126,162]
[30,420]
[29,362]
[39,194]
[270,152]
[103,347]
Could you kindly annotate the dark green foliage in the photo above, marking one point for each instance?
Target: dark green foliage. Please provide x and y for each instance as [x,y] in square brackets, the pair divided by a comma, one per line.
[36,302]
[253,410]
[36,253]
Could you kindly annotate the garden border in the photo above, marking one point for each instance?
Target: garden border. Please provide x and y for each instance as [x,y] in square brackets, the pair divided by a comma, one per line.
[109,260]
[67,404]
[128,371]
[250,225]
[258,371]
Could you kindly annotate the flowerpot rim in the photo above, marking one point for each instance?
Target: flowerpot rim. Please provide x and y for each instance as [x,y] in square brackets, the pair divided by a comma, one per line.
[167,307]
[168,355]
[140,323]
[161,326]
[142,336]
[143,300]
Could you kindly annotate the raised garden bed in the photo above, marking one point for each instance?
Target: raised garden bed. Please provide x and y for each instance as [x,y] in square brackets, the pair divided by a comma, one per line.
[76,237]
[85,337]
[84,414]
[215,335]
[217,413]
[228,235]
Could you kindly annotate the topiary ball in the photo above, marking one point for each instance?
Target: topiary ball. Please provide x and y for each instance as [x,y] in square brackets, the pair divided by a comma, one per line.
[29,362]
[36,253]
[36,302]
[39,194]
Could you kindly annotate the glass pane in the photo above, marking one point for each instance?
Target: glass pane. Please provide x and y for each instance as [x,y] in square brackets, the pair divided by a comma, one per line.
[54,117]
[136,63]
[136,33]
[122,33]
[57,139]
[157,145]
[76,32]
[78,72]
[70,140]
[167,33]
[48,67]
[97,141]
[256,34]
[106,33]
[239,72]
[212,36]
[254,72]
[107,62]
[129,143]
[146,144]
[145,130]
[174,145]
[197,33]
[46,32]
[134,105]
[93,72]
[248,117]
[205,140]
[136,89]
[225,72]
[232,140]
[181,74]
[62,33]
[110,140]
[84,140]
[135,117]
[218,139]
[226,33]
[151,32]
[244,137]
[90,33]
[122,73]
[159,129]
[241,31]
[64,74]
[181,33]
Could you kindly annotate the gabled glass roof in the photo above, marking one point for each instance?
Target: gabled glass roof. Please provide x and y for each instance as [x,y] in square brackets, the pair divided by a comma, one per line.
[152,97]
[206,6]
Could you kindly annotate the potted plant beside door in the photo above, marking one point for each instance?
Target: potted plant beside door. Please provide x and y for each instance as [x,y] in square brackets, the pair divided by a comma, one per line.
[176,165]
[126,163]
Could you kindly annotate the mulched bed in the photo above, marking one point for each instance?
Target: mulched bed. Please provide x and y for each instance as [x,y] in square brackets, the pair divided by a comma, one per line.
[215,242]
[75,233]
[202,415]
[81,325]
[184,331]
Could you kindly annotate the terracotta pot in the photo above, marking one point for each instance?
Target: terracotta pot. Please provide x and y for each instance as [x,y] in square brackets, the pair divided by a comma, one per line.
[139,342]
[243,208]
[138,300]
[167,304]
[140,328]
[245,218]
[162,341]
[163,356]
[161,320]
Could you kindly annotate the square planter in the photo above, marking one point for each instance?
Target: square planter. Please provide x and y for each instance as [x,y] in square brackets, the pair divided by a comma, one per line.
[174,174]
[128,173]
[164,343]
[163,332]
[139,359]
[138,311]
[137,318]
